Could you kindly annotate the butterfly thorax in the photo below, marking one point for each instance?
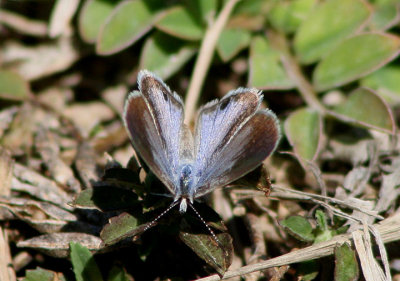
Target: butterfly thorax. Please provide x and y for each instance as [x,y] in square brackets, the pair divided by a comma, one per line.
[184,191]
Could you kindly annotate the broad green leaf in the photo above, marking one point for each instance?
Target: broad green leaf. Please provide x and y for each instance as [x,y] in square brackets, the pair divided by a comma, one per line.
[231,42]
[40,274]
[298,227]
[83,264]
[303,129]
[346,265]
[386,15]
[129,21]
[120,227]
[91,17]
[13,86]
[288,15]
[266,71]
[328,25]
[355,58]
[364,108]
[179,22]
[385,82]
[165,55]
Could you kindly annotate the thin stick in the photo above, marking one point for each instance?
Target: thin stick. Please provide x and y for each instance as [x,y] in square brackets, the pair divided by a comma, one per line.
[204,59]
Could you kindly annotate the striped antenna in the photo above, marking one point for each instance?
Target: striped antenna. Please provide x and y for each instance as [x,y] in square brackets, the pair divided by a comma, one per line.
[204,222]
[153,222]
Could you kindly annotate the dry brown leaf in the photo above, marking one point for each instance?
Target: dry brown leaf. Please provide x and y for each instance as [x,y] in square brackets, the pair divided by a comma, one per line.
[49,150]
[86,116]
[33,63]
[57,244]
[27,180]
[22,24]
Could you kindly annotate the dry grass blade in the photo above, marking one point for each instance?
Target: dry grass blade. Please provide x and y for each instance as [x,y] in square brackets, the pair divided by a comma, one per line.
[6,271]
[370,267]
[389,229]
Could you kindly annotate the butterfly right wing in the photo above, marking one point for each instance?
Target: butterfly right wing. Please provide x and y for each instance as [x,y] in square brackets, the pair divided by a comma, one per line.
[232,138]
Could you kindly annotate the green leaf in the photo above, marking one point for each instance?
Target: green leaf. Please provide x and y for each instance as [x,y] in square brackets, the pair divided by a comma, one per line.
[298,227]
[129,21]
[328,25]
[355,58]
[323,232]
[386,15]
[346,265]
[40,274]
[266,71]
[120,227]
[321,220]
[118,274]
[288,15]
[13,86]
[231,42]
[179,22]
[204,9]
[250,14]
[92,17]
[385,82]
[219,256]
[165,55]
[303,128]
[366,109]
[84,266]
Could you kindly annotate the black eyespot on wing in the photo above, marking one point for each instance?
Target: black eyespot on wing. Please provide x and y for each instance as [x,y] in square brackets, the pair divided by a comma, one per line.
[224,104]
[165,95]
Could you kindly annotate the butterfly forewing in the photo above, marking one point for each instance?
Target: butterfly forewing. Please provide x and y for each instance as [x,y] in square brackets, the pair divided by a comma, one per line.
[249,144]
[217,123]
[167,110]
[154,119]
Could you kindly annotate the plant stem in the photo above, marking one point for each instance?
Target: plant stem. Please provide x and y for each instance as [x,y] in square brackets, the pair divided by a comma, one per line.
[294,72]
[204,59]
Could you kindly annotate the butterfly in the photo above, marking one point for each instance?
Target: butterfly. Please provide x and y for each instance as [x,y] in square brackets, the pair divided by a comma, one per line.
[232,136]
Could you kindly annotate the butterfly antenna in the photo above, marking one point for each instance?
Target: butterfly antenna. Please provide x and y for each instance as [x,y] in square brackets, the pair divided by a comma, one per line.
[153,222]
[204,222]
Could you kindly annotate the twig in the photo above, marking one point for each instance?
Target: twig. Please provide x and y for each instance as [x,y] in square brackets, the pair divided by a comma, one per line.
[204,58]
[388,228]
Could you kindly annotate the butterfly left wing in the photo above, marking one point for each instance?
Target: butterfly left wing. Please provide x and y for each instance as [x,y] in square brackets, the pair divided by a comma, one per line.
[153,117]
[233,137]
